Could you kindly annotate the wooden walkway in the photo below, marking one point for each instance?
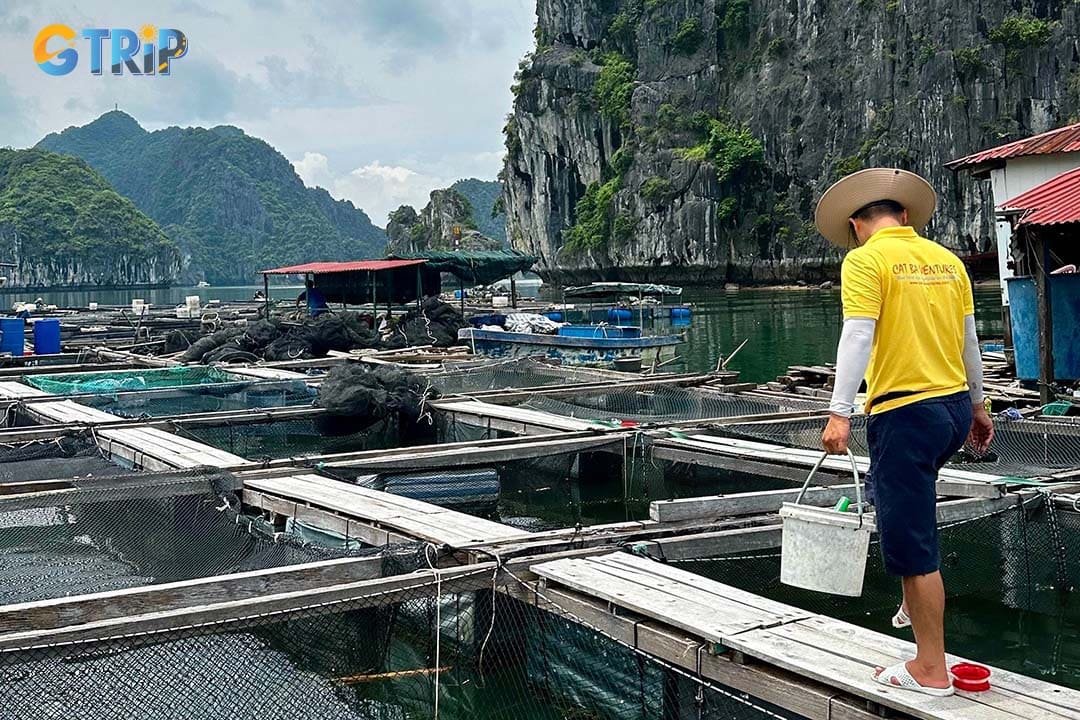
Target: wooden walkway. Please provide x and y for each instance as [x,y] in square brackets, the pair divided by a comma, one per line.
[372,516]
[520,421]
[835,653]
[754,451]
[147,448]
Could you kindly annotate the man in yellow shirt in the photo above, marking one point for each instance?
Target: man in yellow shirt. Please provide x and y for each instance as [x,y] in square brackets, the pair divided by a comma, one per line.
[909,329]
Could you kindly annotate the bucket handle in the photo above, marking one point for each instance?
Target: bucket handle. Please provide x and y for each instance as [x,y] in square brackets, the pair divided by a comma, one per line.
[854,475]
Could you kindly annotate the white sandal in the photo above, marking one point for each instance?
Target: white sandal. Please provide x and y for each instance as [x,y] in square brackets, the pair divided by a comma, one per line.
[898,676]
[901,619]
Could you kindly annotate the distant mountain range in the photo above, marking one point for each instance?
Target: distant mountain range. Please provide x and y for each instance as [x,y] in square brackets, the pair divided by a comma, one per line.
[232,203]
[61,224]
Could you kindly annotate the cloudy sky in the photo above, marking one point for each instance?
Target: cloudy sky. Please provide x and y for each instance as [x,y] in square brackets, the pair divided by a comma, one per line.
[379,101]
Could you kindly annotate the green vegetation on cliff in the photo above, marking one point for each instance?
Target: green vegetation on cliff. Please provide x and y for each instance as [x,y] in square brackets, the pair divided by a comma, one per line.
[485,198]
[232,202]
[61,223]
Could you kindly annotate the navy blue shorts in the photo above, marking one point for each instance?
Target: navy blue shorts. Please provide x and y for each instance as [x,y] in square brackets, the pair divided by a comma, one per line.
[908,446]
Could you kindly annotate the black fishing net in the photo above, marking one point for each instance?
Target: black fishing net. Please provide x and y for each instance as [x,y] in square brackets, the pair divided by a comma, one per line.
[61,457]
[292,438]
[434,323]
[355,395]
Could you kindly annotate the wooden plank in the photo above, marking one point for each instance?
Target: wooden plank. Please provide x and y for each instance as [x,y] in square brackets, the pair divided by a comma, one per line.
[82,609]
[678,598]
[845,655]
[830,665]
[800,456]
[803,697]
[748,503]
[1035,695]
[378,591]
[713,544]
[522,416]
[395,512]
[473,453]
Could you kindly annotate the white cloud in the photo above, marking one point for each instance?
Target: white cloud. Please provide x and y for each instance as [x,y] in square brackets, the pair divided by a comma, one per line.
[314,170]
[381,188]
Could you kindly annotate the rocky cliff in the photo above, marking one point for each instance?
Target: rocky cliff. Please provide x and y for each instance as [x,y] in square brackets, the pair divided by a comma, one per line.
[688,140]
[231,201]
[61,225]
[447,222]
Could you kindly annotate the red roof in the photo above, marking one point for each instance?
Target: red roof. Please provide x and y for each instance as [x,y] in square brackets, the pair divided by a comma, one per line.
[327,268]
[1062,140]
[1054,202]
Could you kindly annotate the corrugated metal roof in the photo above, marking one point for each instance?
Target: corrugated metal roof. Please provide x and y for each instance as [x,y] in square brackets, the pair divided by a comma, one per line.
[1054,202]
[1061,140]
[326,268]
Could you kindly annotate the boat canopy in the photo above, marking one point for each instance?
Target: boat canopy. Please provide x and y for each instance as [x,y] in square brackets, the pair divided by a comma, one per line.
[477,267]
[608,290]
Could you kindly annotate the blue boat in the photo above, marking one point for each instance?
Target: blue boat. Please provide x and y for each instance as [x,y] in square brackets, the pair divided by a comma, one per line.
[595,345]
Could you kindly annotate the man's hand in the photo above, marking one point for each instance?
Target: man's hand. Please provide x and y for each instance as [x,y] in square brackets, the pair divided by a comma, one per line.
[982,430]
[835,437]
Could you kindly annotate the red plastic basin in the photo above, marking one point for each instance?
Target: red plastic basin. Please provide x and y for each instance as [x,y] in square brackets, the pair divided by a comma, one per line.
[970,677]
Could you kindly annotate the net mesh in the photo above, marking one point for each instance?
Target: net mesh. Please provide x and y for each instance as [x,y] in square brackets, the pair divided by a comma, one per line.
[457,648]
[212,397]
[1022,448]
[58,458]
[504,374]
[665,404]
[293,438]
[138,530]
[144,379]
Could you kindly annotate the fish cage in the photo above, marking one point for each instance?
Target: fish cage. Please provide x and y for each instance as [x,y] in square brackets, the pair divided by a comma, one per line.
[510,374]
[242,394]
[126,380]
[665,403]
[1012,581]
[463,646]
[54,459]
[551,489]
[106,533]
[277,438]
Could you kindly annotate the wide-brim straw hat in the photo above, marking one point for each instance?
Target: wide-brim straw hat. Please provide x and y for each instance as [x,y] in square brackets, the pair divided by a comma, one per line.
[860,189]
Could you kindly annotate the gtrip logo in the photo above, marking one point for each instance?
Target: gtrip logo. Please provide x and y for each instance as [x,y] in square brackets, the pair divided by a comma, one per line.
[147,52]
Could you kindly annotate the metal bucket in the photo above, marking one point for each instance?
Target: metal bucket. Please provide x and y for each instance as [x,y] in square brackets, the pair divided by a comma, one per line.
[822,549]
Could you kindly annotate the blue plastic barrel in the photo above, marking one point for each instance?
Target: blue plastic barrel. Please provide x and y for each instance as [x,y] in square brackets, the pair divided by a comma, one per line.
[1023,311]
[680,312]
[615,315]
[12,336]
[555,316]
[47,336]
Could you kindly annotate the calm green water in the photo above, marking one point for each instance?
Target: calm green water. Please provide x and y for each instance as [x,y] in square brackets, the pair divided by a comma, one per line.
[782,327]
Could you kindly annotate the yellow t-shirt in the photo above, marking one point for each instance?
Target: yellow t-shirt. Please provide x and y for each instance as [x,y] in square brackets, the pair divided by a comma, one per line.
[918,292]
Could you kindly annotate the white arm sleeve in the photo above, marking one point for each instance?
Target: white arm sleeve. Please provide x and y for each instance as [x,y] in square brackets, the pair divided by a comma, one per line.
[852,357]
[973,360]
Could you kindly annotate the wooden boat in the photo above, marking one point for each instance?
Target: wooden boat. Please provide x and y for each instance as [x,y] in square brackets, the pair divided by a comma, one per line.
[593,345]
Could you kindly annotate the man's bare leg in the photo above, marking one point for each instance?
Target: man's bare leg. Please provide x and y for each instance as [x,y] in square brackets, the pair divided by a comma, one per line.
[924,596]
